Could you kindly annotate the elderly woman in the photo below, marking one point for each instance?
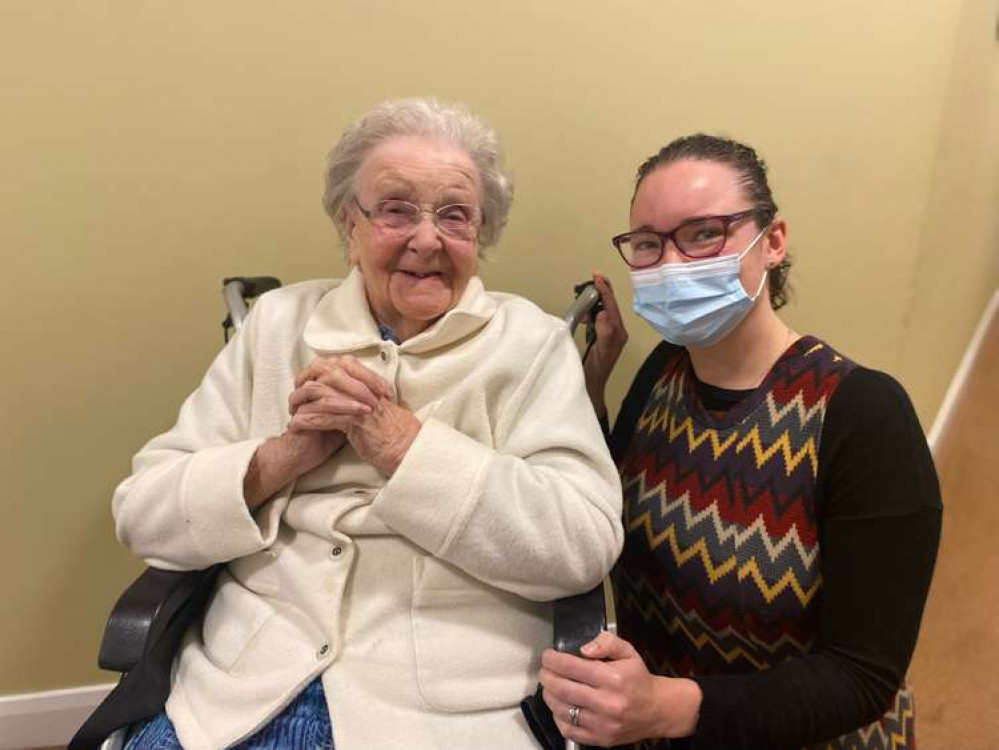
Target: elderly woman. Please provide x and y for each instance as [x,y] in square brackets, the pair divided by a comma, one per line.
[781,507]
[399,470]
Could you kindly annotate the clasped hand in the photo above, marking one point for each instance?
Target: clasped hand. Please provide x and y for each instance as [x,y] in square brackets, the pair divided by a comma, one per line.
[618,700]
[337,400]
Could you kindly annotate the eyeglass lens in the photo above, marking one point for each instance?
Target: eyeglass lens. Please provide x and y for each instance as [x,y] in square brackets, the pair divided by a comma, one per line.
[698,239]
[456,219]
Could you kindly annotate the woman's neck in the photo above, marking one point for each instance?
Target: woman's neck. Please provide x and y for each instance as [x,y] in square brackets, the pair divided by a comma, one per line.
[401,328]
[742,359]
[405,330]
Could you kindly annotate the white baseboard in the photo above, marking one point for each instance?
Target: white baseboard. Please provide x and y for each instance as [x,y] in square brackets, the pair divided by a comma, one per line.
[46,719]
[957,383]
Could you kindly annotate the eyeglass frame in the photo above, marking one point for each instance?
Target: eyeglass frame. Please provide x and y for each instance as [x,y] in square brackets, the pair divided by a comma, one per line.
[477,220]
[664,237]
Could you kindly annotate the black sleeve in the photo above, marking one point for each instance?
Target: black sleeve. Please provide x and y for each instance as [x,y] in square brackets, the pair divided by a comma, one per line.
[879,526]
[631,408]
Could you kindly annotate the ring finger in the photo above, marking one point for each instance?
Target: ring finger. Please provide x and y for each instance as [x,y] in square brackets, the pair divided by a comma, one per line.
[580,731]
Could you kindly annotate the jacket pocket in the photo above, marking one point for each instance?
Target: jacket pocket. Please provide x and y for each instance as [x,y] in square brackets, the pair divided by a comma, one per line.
[477,648]
[234,616]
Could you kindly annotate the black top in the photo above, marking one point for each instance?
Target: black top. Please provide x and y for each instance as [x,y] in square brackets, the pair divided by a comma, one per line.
[879,512]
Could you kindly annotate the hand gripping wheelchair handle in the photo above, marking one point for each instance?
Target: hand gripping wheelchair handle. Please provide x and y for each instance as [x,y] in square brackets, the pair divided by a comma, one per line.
[576,620]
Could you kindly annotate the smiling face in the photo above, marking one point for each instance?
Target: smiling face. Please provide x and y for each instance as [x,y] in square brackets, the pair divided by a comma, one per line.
[415,275]
[690,188]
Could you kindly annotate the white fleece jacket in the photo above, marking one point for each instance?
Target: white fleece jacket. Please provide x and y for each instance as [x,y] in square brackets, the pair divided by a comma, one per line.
[420,599]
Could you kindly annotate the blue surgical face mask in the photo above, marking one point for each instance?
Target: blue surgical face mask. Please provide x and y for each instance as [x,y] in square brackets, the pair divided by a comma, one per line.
[697,303]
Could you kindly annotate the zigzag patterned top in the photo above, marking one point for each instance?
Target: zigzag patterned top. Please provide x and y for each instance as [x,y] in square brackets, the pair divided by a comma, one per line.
[721,570]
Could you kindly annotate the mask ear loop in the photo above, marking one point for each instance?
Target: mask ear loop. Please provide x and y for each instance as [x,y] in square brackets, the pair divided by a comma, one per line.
[766,271]
[756,239]
[759,289]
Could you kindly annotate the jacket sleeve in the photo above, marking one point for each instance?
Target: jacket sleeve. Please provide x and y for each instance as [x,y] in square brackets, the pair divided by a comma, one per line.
[539,513]
[182,508]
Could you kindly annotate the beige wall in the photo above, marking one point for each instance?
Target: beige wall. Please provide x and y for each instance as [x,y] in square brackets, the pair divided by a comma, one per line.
[956,270]
[149,149]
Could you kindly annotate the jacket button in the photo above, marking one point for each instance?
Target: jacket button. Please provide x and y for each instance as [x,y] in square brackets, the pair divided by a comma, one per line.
[336,551]
[323,650]
[384,356]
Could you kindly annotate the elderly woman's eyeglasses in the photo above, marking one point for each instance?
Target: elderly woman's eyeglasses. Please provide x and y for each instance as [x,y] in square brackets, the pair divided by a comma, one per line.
[703,237]
[459,220]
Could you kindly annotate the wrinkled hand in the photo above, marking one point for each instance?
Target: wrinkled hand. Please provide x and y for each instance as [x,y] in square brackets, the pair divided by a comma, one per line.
[283,459]
[340,394]
[333,392]
[611,338]
[307,450]
[621,701]
[383,437]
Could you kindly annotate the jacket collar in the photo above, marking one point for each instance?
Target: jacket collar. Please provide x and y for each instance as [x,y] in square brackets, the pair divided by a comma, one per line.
[342,321]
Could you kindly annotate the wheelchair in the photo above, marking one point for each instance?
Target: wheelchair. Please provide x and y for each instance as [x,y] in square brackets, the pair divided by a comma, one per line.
[149,619]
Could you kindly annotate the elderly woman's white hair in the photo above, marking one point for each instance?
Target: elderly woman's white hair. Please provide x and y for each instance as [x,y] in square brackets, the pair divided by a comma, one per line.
[452,123]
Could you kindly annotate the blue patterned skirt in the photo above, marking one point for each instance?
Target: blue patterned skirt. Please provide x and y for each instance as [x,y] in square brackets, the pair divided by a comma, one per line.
[303,725]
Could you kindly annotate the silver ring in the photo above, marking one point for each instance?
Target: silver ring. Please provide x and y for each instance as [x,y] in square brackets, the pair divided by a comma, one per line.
[574,712]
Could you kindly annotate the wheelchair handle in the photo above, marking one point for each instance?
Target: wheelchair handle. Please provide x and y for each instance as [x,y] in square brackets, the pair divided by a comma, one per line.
[238,290]
[578,619]
[254,286]
[587,302]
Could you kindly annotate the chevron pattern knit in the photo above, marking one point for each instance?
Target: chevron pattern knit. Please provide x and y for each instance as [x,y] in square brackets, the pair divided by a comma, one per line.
[722,550]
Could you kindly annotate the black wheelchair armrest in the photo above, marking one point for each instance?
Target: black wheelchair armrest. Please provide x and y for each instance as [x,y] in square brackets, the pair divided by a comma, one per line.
[576,620]
[143,611]
[140,639]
